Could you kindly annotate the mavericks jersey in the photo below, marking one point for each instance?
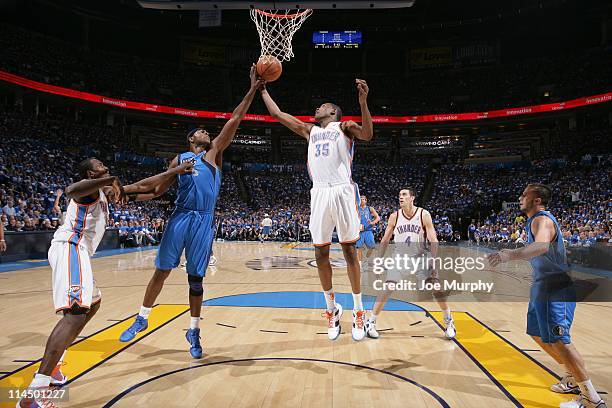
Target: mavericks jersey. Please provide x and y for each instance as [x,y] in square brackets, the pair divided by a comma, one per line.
[199,190]
[84,224]
[365,215]
[554,261]
[409,228]
[330,155]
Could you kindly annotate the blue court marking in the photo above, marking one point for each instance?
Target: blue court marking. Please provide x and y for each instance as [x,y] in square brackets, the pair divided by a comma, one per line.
[312,249]
[303,300]
[16,266]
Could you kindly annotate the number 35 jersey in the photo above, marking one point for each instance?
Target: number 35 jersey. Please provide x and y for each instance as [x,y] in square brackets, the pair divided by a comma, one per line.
[330,155]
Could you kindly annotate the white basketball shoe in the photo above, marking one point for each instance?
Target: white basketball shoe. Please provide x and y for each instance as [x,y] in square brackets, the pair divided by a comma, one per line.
[333,322]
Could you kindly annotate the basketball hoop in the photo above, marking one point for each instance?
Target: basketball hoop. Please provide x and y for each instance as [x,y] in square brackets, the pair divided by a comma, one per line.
[276,29]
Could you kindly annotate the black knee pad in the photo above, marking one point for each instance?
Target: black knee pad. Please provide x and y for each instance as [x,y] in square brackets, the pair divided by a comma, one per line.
[195,285]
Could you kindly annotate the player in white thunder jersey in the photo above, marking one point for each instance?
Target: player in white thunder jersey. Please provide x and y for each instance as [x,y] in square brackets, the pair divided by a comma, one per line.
[409,225]
[74,289]
[334,196]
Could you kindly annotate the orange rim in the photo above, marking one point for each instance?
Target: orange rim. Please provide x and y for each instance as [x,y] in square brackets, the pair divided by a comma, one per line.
[279,16]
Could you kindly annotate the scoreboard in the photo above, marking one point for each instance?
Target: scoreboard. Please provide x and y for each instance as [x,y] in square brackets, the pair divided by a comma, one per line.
[337,39]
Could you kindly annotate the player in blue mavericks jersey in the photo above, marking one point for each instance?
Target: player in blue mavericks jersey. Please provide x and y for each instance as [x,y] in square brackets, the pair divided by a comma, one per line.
[368,217]
[192,225]
[552,300]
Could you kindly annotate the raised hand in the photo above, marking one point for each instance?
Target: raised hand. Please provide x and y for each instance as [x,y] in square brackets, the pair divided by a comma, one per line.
[363,89]
[256,81]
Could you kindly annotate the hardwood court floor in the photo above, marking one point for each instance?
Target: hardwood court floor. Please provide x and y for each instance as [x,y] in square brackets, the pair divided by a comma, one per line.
[264,342]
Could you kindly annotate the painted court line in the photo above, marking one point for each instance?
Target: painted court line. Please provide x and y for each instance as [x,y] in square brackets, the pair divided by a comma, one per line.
[89,353]
[526,382]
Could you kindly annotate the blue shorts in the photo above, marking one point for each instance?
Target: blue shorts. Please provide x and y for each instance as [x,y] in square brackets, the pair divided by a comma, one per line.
[266,231]
[367,238]
[192,231]
[549,319]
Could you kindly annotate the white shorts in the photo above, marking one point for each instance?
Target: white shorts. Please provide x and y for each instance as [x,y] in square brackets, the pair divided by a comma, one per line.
[72,277]
[334,206]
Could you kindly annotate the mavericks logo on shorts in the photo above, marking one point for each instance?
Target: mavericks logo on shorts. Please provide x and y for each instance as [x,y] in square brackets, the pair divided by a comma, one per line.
[558,330]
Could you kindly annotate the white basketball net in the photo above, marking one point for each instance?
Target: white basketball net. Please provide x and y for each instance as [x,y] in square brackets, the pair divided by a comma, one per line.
[276,29]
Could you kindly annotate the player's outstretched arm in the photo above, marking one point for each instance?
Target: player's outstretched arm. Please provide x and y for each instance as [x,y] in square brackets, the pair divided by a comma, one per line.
[89,187]
[287,120]
[155,186]
[543,230]
[221,142]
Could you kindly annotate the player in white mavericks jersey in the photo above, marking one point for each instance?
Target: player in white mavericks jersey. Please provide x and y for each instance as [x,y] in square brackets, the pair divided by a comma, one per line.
[334,195]
[410,225]
[75,294]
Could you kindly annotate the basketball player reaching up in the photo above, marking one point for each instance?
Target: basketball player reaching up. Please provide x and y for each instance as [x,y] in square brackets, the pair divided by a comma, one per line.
[192,225]
[410,225]
[368,217]
[75,293]
[334,196]
[552,299]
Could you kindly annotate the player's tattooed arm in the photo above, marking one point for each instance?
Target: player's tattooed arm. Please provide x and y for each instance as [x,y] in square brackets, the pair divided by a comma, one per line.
[155,186]
[287,120]
[221,142]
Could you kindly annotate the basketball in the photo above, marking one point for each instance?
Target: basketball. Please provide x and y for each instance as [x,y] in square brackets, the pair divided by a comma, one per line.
[269,68]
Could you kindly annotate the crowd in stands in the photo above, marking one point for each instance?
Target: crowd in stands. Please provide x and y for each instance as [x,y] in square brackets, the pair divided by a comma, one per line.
[38,156]
[219,88]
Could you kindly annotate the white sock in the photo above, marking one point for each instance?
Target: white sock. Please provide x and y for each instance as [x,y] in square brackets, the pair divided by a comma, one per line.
[373,317]
[330,297]
[195,322]
[144,312]
[587,390]
[40,381]
[357,305]
[447,314]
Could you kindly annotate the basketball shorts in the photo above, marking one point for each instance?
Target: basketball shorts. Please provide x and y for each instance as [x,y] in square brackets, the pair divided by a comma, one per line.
[266,231]
[366,238]
[193,232]
[551,318]
[72,277]
[334,206]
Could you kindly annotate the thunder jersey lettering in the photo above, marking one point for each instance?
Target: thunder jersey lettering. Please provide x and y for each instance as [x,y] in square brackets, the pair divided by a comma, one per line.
[85,224]
[199,190]
[330,155]
[409,229]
